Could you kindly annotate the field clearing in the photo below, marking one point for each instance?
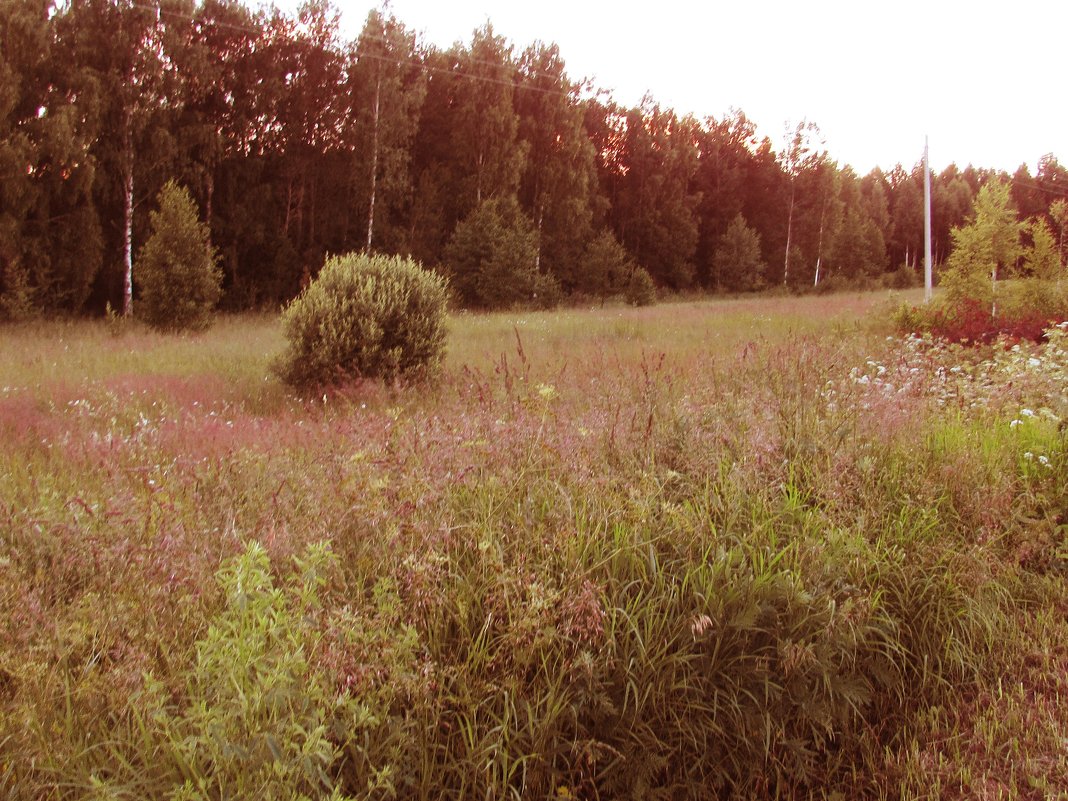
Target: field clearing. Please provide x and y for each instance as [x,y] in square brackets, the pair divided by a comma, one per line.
[231,361]
[736,548]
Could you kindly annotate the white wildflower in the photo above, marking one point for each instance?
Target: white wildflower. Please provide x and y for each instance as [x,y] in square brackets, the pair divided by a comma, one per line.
[547,391]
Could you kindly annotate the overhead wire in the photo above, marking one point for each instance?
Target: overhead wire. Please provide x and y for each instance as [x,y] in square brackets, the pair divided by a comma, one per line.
[419,64]
[1039,187]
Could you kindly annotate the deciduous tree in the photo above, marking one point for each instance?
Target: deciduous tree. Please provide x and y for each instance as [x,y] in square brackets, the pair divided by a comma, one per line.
[986,248]
[655,210]
[388,86]
[803,151]
[559,182]
[484,125]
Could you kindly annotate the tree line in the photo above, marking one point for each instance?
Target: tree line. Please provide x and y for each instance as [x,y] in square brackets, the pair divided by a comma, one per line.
[484,161]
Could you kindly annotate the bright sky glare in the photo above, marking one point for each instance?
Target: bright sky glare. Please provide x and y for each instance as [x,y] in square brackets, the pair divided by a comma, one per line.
[984,79]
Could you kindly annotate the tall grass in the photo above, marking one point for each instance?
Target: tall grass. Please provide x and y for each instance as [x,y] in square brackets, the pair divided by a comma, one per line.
[701,550]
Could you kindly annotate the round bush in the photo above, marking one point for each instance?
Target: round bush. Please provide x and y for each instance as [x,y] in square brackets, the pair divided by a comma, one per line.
[364,317]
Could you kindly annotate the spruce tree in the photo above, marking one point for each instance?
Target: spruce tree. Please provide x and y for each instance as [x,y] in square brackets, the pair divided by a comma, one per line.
[737,260]
[492,258]
[179,279]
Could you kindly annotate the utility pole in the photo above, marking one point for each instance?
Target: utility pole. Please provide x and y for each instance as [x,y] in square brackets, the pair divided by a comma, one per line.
[928,277]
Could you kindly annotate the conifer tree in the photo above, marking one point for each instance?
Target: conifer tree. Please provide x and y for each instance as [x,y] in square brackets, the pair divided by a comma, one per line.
[492,257]
[177,272]
[737,260]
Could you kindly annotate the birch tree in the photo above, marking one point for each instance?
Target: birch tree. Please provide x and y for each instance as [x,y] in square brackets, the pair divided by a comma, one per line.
[388,86]
[559,182]
[485,126]
[802,151]
[985,249]
[130,78]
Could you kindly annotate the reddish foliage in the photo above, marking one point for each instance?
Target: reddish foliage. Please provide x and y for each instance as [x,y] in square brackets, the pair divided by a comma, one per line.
[972,322]
[25,419]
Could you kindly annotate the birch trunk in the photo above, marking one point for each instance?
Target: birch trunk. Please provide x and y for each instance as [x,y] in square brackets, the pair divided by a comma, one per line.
[209,193]
[374,164]
[127,214]
[994,292]
[819,245]
[789,234]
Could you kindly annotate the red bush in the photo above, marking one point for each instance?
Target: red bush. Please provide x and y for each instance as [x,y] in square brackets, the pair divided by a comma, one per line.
[971,321]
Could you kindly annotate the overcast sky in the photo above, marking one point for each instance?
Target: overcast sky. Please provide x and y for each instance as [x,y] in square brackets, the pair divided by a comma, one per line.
[986,80]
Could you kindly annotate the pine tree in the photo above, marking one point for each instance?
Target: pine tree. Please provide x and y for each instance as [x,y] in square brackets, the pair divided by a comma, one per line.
[50,241]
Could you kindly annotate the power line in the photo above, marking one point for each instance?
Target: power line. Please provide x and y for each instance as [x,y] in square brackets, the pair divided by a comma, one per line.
[1058,192]
[416,64]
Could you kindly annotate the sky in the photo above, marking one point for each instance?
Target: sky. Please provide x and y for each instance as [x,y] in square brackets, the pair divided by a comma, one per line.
[985,80]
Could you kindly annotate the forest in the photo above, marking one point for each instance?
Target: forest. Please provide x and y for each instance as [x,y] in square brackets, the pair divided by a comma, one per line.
[485,161]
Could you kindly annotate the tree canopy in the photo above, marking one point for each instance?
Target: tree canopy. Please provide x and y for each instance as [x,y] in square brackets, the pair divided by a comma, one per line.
[296,143]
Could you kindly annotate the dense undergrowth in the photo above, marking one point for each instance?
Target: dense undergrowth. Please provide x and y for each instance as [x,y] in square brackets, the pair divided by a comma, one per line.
[797,561]
[1023,311]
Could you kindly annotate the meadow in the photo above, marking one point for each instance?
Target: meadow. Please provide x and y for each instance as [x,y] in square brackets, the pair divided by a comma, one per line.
[753,548]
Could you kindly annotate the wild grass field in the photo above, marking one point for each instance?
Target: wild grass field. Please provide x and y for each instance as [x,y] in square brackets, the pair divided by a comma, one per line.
[757,548]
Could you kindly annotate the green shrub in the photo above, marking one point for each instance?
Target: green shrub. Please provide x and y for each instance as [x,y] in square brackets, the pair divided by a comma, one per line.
[1035,296]
[904,277]
[830,284]
[909,319]
[177,270]
[263,721]
[640,289]
[1025,309]
[364,317]
[16,293]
